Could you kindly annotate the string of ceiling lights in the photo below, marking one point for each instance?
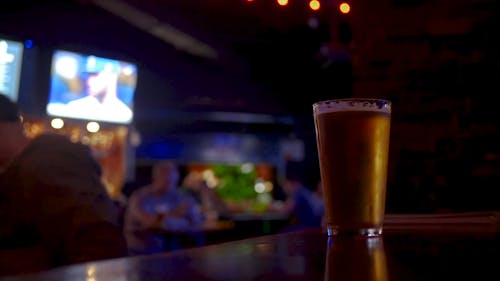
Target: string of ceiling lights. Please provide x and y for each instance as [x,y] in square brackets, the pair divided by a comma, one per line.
[314,5]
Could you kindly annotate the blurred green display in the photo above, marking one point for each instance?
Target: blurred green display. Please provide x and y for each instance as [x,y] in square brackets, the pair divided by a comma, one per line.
[234,183]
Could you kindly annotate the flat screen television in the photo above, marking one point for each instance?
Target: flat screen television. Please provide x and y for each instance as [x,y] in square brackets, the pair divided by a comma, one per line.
[88,87]
[11,55]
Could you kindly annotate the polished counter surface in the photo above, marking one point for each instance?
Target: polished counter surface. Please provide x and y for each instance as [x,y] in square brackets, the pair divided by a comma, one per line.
[440,250]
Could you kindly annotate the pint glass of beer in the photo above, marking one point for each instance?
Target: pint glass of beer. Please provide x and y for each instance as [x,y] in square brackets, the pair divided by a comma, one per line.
[353,144]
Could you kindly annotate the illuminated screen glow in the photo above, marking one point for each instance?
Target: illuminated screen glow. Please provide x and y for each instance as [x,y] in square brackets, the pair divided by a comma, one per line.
[91,88]
[11,54]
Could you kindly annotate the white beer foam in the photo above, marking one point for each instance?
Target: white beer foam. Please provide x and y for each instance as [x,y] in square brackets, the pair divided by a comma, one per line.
[373,105]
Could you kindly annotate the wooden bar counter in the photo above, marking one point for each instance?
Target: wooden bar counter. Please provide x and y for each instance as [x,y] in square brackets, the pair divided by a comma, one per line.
[417,248]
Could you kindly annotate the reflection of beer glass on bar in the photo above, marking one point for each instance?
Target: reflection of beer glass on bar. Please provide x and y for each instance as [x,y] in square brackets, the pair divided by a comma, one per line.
[356,259]
[353,142]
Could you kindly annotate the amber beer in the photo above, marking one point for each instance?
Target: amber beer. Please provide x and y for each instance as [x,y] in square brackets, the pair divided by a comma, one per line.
[353,142]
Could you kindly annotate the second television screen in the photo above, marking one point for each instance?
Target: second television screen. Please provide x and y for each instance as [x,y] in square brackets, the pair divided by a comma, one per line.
[91,88]
[11,54]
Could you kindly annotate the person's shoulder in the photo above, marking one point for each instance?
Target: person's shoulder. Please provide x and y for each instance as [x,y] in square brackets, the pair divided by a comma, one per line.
[303,193]
[58,143]
[49,155]
[50,139]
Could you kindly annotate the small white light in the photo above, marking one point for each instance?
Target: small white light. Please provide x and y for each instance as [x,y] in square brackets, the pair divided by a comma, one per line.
[209,177]
[85,140]
[212,182]
[91,62]
[207,174]
[260,187]
[93,127]
[128,70]
[135,138]
[264,198]
[269,186]
[247,168]
[91,273]
[57,123]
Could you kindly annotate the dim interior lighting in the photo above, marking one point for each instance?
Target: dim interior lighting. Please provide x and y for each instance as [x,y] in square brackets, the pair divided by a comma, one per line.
[345,8]
[93,127]
[28,44]
[57,123]
[247,168]
[91,273]
[210,179]
[282,2]
[85,140]
[212,182]
[260,187]
[208,174]
[314,5]
[269,186]
[128,70]
[135,138]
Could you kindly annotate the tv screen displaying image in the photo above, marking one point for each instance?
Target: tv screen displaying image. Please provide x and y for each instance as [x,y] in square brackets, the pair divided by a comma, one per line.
[11,55]
[91,88]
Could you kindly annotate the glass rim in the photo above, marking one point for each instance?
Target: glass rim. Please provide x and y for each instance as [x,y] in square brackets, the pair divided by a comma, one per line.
[377,105]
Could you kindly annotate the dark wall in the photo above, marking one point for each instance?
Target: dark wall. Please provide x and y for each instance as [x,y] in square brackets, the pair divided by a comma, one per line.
[437,61]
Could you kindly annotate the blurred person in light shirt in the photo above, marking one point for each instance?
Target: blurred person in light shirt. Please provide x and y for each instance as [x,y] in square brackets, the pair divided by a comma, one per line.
[160,205]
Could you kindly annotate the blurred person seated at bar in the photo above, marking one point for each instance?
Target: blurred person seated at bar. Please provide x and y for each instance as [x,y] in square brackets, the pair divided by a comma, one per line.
[212,206]
[160,205]
[303,208]
[318,202]
[54,207]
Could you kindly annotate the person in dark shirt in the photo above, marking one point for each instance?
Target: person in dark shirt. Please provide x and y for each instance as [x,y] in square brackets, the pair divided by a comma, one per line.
[301,205]
[54,208]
